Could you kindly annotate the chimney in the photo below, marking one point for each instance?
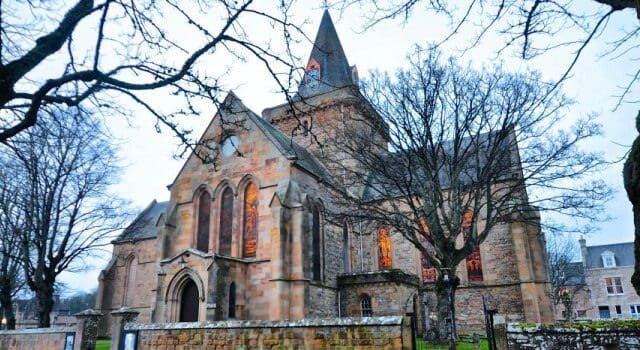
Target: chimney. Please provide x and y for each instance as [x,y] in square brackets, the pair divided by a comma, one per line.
[583,250]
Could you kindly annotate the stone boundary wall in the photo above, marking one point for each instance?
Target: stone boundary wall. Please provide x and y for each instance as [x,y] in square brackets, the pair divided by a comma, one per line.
[578,337]
[336,333]
[36,338]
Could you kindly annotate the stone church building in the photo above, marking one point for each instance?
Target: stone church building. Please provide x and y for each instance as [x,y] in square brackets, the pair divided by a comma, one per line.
[248,239]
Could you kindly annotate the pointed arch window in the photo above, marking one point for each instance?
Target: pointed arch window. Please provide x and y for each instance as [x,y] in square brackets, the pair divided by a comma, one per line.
[384,249]
[428,271]
[130,287]
[204,219]
[226,222]
[474,261]
[189,303]
[316,244]
[365,306]
[232,300]
[250,232]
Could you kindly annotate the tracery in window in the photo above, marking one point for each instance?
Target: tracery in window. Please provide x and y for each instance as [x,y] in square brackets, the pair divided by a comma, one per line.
[365,306]
[226,222]
[250,235]
[474,261]
[204,212]
[384,249]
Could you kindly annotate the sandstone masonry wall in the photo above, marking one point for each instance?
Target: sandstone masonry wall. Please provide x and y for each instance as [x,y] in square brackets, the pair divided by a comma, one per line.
[343,333]
[39,338]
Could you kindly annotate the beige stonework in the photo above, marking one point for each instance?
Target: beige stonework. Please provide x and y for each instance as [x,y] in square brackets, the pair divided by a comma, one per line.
[279,282]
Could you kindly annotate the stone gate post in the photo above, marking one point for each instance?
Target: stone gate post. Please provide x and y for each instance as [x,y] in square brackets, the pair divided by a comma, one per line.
[87,329]
[120,318]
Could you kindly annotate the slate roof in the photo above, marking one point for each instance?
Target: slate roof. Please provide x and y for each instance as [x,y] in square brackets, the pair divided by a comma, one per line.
[623,253]
[144,225]
[335,71]
[394,165]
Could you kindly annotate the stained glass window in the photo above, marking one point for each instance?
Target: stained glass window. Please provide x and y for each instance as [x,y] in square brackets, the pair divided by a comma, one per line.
[226,222]
[250,220]
[428,271]
[474,261]
[384,249]
[204,212]
[316,244]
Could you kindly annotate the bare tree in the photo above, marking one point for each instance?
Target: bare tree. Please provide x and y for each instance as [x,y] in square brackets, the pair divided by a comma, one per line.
[66,165]
[463,152]
[566,273]
[97,54]
[11,224]
[530,27]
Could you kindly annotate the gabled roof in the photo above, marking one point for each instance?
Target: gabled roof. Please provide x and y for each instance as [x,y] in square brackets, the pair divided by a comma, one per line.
[327,51]
[144,225]
[623,253]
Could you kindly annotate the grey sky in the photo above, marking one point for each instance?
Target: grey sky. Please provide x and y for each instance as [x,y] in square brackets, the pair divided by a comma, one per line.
[148,156]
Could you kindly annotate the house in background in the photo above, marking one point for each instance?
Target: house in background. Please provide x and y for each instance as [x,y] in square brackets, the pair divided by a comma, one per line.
[608,269]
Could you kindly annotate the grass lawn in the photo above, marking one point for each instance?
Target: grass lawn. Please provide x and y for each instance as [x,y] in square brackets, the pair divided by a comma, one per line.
[103,344]
[421,344]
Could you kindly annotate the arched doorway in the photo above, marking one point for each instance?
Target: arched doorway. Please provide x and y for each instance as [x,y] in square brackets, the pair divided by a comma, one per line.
[189,302]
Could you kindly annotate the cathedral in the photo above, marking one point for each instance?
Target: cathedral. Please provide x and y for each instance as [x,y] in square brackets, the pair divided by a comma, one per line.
[248,239]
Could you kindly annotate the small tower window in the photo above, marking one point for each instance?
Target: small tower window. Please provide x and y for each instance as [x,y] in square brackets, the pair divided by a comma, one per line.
[305,128]
[232,300]
[365,306]
[316,244]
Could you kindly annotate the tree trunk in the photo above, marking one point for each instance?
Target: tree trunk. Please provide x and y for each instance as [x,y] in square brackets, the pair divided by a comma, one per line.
[635,278]
[6,303]
[631,177]
[445,294]
[45,304]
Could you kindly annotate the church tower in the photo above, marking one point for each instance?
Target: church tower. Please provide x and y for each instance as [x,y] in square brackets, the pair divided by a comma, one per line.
[328,102]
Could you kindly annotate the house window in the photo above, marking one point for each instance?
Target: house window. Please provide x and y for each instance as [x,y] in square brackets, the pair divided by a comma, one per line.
[474,261]
[204,212]
[614,285]
[232,300]
[316,244]
[384,249]
[635,311]
[608,259]
[365,306]
[250,238]
[604,312]
[618,311]
[226,222]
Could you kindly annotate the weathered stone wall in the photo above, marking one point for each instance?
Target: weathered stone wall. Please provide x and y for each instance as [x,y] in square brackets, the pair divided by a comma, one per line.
[574,338]
[38,338]
[336,333]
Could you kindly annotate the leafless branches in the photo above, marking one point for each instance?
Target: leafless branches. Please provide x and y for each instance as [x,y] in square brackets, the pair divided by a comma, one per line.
[100,52]
[62,169]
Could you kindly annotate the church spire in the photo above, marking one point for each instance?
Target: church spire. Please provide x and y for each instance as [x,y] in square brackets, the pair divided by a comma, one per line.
[328,68]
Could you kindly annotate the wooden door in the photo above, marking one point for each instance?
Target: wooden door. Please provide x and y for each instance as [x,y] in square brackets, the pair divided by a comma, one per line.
[189,303]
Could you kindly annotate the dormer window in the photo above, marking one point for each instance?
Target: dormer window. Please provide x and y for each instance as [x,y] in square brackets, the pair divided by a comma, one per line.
[312,75]
[608,259]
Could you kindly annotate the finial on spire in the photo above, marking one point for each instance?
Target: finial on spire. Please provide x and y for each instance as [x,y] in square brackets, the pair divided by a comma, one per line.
[326,4]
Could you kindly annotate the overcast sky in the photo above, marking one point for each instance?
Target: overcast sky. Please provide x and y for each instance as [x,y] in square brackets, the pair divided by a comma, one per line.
[148,157]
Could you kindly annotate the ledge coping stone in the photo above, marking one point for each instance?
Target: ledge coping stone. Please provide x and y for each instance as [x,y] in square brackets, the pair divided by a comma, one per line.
[303,323]
[38,331]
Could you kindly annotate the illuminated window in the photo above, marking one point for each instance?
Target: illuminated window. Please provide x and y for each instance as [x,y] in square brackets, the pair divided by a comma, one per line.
[316,244]
[384,249]
[204,212]
[613,285]
[474,261]
[250,220]
[365,306]
[226,222]
[428,271]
